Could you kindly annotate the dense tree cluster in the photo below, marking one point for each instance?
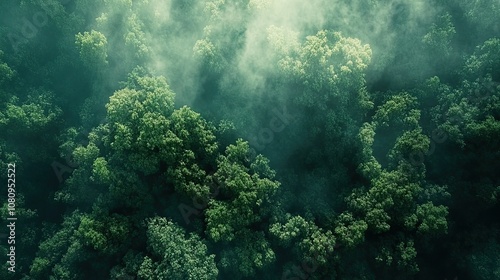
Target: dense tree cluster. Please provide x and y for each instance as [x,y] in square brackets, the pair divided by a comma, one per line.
[251,139]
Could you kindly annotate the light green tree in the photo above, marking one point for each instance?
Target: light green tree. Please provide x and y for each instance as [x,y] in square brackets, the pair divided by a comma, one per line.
[329,66]
[32,115]
[314,244]
[93,48]
[174,254]
[350,231]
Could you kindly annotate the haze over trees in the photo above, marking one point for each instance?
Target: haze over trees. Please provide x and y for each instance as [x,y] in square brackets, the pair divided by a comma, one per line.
[251,139]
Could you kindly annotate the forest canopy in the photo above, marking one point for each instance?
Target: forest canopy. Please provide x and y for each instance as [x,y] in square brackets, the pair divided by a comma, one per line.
[250,139]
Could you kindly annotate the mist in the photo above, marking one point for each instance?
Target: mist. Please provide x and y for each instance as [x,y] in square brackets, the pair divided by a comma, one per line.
[250,139]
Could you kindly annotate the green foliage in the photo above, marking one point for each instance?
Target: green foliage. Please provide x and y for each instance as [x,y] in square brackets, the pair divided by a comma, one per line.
[391,192]
[314,243]
[440,35]
[484,60]
[245,196]
[89,230]
[252,252]
[132,262]
[100,171]
[206,50]
[400,254]
[143,94]
[175,255]
[349,231]
[6,73]
[410,145]
[327,65]
[138,116]
[136,37]
[432,219]
[33,115]
[225,27]
[57,249]
[283,41]
[395,204]
[195,133]
[292,229]
[364,163]
[93,48]
[103,232]
[398,110]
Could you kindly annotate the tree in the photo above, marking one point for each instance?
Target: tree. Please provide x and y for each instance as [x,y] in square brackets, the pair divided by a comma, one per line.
[282,40]
[206,50]
[93,48]
[399,253]
[136,38]
[173,255]
[350,231]
[32,115]
[143,130]
[440,35]
[140,113]
[484,60]
[431,218]
[57,247]
[329,66]
[145,153]
[237,215]
[223,33]
[6,73]
[107,233]
[398,111]
[395,206]
[314,244]
[251,252]
[245,194]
